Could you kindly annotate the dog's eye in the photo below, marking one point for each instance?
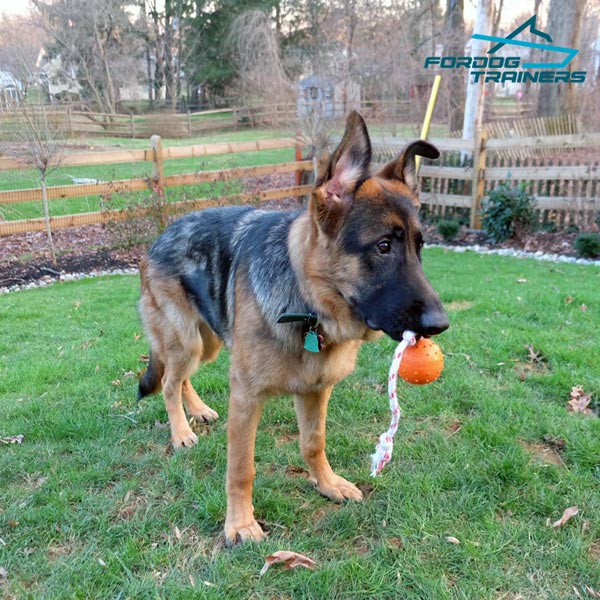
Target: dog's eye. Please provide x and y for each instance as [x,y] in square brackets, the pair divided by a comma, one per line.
[384,246]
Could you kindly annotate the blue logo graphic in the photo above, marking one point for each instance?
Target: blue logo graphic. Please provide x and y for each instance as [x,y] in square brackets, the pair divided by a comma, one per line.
[530,23]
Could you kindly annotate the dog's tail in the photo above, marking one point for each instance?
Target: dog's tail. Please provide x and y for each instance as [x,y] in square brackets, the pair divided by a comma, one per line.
[150,381]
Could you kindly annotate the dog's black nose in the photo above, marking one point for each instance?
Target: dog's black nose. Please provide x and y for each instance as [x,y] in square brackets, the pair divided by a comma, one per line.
[433,322]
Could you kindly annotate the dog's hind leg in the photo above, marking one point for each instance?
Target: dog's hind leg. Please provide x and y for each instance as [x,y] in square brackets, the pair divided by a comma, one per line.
[175,381]
[312,411]
[196,408]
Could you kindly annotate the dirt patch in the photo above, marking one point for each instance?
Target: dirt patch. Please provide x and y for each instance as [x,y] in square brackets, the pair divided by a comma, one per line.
[543,454]
[24,258]
[557,242]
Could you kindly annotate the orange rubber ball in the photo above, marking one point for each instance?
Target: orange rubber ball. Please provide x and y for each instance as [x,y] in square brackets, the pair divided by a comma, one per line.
[421,363]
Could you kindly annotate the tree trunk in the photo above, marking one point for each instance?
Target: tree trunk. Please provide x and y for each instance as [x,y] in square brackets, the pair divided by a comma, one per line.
[46,209]
[475,98]
[564,24]
[455,46]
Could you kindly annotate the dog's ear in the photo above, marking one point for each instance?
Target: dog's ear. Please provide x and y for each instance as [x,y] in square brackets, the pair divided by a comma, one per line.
[403,168]
[348,165]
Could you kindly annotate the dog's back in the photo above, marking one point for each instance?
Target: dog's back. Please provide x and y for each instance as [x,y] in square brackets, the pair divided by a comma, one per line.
[207,250]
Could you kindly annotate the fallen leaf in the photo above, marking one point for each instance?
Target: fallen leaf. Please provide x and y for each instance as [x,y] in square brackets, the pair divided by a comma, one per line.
[579,402]
[522,280]
[569,300]
[583,308]
[566,516]
[101,562]
[12,439]
[290,560]
[3,573]
[534,355]
[452,540]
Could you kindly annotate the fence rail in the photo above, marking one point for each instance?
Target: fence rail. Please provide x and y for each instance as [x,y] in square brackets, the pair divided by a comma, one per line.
[157,182]
[566,186]
[565,183]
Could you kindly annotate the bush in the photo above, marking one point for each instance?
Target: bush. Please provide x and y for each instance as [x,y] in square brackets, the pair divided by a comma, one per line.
[587,245]
[509,213]
[448,229]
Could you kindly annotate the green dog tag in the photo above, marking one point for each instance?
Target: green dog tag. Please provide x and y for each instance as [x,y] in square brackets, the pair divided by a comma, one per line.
[311,341]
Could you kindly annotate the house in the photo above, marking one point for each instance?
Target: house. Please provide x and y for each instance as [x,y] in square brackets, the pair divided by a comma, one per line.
[60,82]
[327,97]
[11,90]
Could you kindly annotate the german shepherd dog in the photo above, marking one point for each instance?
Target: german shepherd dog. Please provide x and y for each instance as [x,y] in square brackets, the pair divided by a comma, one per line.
[292,295]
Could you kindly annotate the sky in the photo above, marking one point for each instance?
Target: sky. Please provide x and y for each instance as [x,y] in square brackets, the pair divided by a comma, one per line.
[14,7]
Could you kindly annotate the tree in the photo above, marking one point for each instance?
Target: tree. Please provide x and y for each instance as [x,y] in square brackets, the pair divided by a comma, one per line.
[210,68]
[98,39]
[256,53]
[564,24]
[40,144]
[20,43]
[163,25]
[475,97]
[454,45]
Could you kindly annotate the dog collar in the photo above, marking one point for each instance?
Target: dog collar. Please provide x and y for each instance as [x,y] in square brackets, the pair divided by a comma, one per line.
[313,341]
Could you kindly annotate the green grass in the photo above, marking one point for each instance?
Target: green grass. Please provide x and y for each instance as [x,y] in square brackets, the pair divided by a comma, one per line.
[28,178]
[93,505]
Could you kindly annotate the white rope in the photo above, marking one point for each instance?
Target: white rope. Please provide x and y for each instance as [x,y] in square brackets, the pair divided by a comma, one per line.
[385,446]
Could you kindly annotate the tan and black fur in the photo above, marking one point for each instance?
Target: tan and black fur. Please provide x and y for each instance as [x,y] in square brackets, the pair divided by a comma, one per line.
[226,275]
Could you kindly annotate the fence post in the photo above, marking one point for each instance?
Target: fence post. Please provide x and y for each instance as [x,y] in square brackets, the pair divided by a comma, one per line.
[158,171]
[298,157]
[132,124]
[157,181]
[70,118]
[478,182]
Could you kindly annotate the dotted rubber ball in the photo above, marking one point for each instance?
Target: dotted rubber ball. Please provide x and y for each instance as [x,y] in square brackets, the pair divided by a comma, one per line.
[421,363]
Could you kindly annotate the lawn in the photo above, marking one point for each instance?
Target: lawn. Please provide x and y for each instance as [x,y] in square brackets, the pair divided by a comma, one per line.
[28,178]
[94,505]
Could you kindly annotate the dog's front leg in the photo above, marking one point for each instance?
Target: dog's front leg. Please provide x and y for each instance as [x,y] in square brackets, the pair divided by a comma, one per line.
[242,422]
[312,412]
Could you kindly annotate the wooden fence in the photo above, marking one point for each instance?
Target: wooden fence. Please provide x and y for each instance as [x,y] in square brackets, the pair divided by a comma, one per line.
[561,172]
[158,182]
[73,122]
[93,124]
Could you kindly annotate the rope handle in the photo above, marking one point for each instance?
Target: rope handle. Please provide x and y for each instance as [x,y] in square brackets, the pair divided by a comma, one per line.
[385,446]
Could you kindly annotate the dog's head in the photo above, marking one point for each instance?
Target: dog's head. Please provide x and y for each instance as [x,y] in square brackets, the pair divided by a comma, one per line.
[371,228]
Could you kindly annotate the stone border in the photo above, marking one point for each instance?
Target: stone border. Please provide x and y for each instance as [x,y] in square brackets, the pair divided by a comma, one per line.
[50,279]
[539,255]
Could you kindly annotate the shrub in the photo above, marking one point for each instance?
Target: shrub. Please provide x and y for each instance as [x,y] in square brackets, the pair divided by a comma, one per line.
[509,213]
[448,229]
[587,245]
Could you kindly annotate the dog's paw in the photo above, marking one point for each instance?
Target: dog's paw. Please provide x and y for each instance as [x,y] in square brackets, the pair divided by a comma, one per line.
[240,534]
[204,415]
[185,438]
[336,488]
